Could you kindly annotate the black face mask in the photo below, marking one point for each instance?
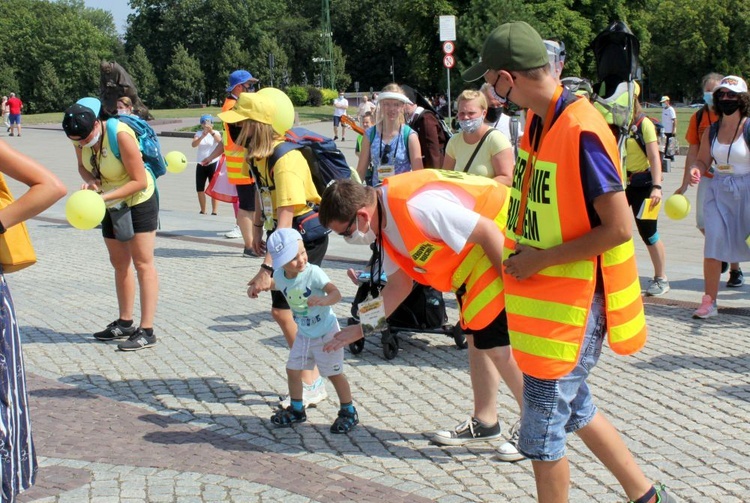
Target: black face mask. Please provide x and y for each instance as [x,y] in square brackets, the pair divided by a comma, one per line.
[493,114]
[234,131]
[728,107]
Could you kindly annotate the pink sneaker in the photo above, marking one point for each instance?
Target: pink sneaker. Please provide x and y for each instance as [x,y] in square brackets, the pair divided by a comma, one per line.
[707,309]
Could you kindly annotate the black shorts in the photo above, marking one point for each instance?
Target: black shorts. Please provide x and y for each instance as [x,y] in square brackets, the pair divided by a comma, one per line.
[493,335]
[145,217]
[336,120]
[246,196]
[316,251]
[204,174]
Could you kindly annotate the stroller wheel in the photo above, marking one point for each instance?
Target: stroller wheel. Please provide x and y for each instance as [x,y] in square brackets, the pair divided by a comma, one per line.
[459,338]
[390,348]
[357,346]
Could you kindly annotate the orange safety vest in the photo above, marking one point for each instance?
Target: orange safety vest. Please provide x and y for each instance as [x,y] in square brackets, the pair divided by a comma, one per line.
[434,263]
[237,168]
[547,313]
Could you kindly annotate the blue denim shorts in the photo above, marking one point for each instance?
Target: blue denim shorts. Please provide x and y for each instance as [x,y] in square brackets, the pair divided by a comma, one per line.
[553,408]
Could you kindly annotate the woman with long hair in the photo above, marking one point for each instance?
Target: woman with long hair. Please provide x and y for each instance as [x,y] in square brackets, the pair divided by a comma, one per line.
[479,148]
[724,157]
[130,222]
[390,146]
[285,197]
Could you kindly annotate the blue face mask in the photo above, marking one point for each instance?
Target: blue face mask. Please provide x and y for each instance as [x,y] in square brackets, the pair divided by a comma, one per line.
[708,97]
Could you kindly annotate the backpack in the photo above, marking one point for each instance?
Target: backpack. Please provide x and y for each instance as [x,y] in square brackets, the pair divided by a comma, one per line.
[148,142]
[636,132]
[714,130]
[326,162]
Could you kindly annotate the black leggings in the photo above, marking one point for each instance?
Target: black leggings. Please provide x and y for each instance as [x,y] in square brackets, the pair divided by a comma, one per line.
[203,175]
[646,228]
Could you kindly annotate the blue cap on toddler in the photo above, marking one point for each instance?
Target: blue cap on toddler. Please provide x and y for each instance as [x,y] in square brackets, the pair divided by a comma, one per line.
[205,118]
[283,247]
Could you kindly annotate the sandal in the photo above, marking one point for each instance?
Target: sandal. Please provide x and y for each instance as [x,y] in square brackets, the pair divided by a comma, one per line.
[345,422]
[287,417]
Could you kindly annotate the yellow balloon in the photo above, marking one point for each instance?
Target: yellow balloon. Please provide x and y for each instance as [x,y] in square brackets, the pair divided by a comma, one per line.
[84,209]
[284,117]
[176,161]
[677,207]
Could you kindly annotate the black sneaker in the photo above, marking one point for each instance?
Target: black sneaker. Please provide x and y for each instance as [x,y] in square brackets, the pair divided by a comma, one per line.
[724,267]
[736,279]
[467,432]
[289,416]
[114,331]
[139,340]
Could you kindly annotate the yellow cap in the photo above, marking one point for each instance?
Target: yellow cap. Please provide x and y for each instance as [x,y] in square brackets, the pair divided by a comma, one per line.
[251,106]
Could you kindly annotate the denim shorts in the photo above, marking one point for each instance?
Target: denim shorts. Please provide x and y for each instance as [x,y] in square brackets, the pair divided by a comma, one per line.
[552,408]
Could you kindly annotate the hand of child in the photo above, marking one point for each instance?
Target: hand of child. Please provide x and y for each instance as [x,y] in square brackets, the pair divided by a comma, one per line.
[315,300]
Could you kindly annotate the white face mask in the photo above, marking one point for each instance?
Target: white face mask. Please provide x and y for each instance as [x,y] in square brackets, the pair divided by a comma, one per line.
[361,238]
[93,141]
[471,125]
[122,111]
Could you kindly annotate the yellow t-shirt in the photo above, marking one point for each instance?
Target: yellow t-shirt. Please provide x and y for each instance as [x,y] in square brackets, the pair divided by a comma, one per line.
[461,151]
[113,173]
[636,160]
[292,183]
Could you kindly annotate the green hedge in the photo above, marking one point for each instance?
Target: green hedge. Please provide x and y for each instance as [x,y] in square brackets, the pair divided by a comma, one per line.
[329,95]
[298,95]
[314,97]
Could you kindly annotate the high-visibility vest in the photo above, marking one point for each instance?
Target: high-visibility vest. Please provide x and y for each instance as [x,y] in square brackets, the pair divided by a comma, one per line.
[547,312]
[238,171]
[433,262]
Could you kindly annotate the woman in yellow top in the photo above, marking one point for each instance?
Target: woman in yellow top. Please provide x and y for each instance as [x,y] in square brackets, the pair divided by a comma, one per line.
[644,192]
[130,222]
[285,197]
[479,149]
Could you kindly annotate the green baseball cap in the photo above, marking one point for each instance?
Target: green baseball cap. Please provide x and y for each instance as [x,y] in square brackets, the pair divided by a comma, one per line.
[510,46]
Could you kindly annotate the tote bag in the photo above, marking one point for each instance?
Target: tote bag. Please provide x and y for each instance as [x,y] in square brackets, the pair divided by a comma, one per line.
[16,251]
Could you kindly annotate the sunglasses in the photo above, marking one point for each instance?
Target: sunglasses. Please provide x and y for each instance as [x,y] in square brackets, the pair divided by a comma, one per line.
[386,151]
[726,94]
[349,231]
[248,87]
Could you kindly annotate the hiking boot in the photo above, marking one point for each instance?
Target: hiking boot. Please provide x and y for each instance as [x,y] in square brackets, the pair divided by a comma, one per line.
[114,331]
[467,432]
[707,308]
[736,279]
[289,416]
[658,286]
[139,340]
[234,233]
[345,422]
[312,394]
[508,452]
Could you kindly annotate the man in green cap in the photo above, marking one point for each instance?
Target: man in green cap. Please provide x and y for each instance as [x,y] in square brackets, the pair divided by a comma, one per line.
[568,247]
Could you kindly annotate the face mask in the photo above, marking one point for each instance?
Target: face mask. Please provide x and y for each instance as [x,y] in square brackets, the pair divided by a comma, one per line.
[664,105]
[728,107]
[708,98]
[93,141]
[494,94]
[122,111]
[493,114]
[361,238]
[471,125]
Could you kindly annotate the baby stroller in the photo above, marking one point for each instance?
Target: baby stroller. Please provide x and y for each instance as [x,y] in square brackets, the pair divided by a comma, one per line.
[422,311]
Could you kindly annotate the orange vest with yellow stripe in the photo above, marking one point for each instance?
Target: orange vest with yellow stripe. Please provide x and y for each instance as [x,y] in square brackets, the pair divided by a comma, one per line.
[434,263]
[547,313]
[237,169]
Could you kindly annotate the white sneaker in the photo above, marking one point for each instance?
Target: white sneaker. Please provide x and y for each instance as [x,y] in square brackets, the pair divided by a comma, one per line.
[312,395]
[234,233]
[508,452]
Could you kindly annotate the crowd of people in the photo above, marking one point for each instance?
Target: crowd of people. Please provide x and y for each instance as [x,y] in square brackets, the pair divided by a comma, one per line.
[526,218]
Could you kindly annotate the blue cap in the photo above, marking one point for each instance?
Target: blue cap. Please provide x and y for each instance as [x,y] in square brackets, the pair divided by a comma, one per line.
[239,77]
[206,117]
[283,246]
[92,103]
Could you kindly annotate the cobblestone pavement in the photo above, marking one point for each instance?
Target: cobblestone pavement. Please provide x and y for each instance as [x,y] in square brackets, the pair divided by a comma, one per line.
[187,420]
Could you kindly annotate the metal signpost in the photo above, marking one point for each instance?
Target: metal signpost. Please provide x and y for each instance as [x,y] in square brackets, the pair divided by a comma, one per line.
[448,37]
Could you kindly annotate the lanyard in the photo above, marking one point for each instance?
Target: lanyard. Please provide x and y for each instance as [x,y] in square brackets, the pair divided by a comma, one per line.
[734,137]
[536,144]
[395,151]
[375,274]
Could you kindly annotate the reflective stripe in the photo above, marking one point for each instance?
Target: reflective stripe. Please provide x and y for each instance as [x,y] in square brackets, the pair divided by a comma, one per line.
[485,297]
[618,254]
[582,269]
[546,310]
[622,298]
[629,329]
[543,347]
[466,266]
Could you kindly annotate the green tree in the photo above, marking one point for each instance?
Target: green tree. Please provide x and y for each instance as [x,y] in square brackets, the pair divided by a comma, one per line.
[142,72]
[8,81]
[48,95]
[183,79]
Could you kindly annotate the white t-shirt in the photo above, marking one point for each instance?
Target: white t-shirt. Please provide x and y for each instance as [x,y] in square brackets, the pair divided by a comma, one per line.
[207,144]
[340,102]
[442,213]
[503,125]
[668,116]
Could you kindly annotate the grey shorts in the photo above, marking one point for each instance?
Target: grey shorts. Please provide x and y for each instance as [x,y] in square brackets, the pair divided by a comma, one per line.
[307,352]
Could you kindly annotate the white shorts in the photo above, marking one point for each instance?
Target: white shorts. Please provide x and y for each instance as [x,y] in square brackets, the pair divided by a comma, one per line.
[306,353]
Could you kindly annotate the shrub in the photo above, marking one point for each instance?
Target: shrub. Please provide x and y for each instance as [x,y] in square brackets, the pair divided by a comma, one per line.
[298,95]
[329,95]
[314,97]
